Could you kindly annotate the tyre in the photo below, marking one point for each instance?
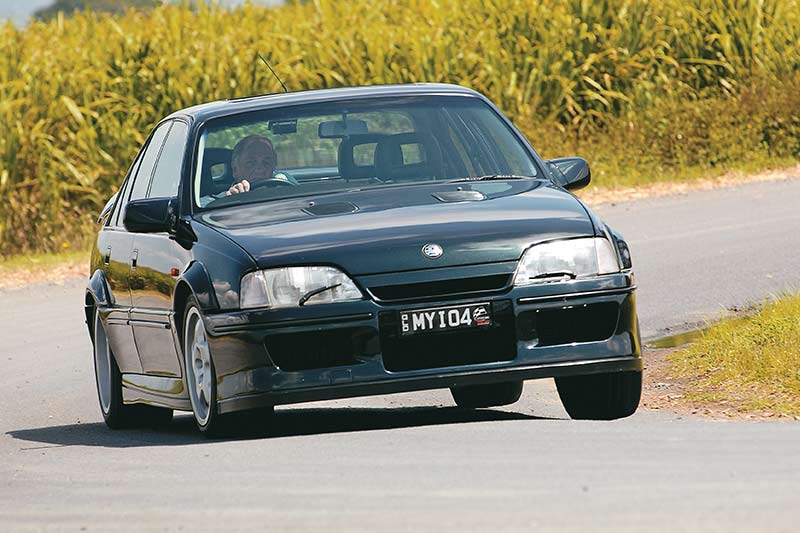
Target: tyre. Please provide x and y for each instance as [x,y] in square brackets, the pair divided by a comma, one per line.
[492,395]
[108,378]
[600,396]
[201,382]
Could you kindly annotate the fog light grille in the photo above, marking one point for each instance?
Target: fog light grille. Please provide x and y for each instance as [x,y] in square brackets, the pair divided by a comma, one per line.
[569,324]
[321,349]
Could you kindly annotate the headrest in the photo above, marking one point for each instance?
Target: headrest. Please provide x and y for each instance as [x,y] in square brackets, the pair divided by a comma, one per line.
[409,156]
[214,183]
[348,169]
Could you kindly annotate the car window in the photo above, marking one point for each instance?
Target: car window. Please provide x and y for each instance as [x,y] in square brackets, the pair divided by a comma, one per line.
[319,148]
[114,219]
[168,170]
[303,147]
[499,145]
[141,181]
[461,157]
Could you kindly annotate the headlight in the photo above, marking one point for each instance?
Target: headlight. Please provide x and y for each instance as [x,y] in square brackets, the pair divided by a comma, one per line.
[567,259]
[296,286]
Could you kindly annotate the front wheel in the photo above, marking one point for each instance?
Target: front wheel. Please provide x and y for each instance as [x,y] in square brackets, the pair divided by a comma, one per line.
[600,396]
[108,378]
[201,382]
[492,395]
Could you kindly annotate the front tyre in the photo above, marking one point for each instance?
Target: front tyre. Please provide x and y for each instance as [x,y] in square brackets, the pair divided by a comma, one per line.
[201,382]
[600,396]
[108,378]
[492,395]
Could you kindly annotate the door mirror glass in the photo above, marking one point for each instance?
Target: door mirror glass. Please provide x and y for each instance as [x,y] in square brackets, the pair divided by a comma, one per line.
[573,172]
[150,215]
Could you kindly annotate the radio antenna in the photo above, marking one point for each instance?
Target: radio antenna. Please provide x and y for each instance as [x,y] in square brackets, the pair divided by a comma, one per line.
[273,72]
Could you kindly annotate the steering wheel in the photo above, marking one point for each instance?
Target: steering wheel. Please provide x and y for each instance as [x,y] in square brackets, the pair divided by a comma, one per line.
[270,182]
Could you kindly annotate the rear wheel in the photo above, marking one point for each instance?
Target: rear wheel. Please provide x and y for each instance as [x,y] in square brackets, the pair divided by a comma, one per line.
[600,396]
[108,378]
[201,381]
[492,395]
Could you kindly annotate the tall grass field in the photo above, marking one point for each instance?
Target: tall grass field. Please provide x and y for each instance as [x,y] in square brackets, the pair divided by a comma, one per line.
[645,90]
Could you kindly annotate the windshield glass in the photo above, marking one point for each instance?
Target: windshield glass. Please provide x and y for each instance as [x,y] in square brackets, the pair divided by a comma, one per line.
[354,144]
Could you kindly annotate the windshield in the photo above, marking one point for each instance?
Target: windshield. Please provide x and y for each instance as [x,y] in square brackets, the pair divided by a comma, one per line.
[354,144]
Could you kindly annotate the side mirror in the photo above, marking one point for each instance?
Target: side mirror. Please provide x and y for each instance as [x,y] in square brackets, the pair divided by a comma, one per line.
[573,171]
[150,215]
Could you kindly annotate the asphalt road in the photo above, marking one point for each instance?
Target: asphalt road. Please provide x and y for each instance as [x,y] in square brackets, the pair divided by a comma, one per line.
[412,461]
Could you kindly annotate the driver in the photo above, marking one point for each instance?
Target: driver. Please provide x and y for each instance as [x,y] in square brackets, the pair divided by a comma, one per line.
[254,160]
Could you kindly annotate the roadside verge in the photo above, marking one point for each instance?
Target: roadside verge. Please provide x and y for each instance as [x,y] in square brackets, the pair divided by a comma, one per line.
[743,367]
[57,268]
[596,196]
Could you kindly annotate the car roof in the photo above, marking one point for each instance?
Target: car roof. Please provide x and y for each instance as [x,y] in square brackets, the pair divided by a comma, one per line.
[221,108]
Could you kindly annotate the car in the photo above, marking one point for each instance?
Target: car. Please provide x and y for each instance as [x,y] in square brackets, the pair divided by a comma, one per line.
[390,239]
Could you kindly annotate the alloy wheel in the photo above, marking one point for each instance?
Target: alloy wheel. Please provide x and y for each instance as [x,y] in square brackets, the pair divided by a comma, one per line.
[198,367]
[102,364]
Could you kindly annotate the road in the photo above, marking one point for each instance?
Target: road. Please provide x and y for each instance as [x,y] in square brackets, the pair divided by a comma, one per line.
[412,461]
[696,256]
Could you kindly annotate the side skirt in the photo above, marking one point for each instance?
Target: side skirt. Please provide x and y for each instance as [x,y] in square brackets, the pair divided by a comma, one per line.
[160,391]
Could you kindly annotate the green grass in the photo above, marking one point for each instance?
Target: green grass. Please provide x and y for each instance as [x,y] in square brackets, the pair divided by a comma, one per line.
[646,91]
[39,261]
[752,363]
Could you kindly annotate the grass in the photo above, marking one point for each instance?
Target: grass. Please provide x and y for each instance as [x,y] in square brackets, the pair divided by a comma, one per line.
[646,91]
[752,362]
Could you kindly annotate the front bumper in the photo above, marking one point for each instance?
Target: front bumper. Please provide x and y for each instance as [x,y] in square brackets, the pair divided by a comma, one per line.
[542,331]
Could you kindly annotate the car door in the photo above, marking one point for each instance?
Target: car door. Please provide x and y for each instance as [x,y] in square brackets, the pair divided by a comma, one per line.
[157,260]
[115,244]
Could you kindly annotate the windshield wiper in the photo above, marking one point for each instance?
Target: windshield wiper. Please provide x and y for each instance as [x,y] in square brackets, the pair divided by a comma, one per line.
[310,294]
[489,177]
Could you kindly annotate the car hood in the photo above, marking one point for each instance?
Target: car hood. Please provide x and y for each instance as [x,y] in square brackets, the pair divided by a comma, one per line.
[384,230]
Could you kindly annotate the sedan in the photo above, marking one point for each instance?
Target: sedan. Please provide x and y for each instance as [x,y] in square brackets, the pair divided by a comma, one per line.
[338,243]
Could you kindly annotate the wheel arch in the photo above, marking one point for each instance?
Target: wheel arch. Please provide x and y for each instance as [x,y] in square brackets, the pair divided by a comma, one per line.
[195,282]
[97,295]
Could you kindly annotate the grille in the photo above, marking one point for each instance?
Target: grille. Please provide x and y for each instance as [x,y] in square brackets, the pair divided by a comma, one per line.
[453,348]
[585,323]
[444,288]
[322,349]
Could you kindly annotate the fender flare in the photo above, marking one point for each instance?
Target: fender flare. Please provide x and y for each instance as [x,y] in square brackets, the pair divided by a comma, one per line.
[97,287]
[97,295]
[196,278]
[194,281]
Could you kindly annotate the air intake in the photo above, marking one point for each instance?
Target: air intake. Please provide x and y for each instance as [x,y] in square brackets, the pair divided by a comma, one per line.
[332,208]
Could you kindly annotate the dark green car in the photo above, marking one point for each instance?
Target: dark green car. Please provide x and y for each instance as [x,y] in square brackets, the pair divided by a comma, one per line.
[348,242]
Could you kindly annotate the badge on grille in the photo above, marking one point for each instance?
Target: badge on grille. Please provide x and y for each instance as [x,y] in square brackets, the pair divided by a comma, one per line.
[432,251]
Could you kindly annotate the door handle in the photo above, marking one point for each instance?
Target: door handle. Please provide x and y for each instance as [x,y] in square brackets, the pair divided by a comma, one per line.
[134,259]
[107,257]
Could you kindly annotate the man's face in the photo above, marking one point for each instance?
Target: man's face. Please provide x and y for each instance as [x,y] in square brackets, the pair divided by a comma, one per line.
[255,162]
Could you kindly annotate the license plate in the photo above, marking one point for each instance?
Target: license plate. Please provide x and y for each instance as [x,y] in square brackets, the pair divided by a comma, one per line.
[445,318]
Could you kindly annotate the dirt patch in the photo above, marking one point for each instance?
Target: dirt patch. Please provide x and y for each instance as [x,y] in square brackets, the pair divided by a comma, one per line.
[662,391]
[19,276]
[628,194]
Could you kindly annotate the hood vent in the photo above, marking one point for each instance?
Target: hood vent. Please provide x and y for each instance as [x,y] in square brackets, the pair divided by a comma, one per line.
[333,208]
[459,196]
